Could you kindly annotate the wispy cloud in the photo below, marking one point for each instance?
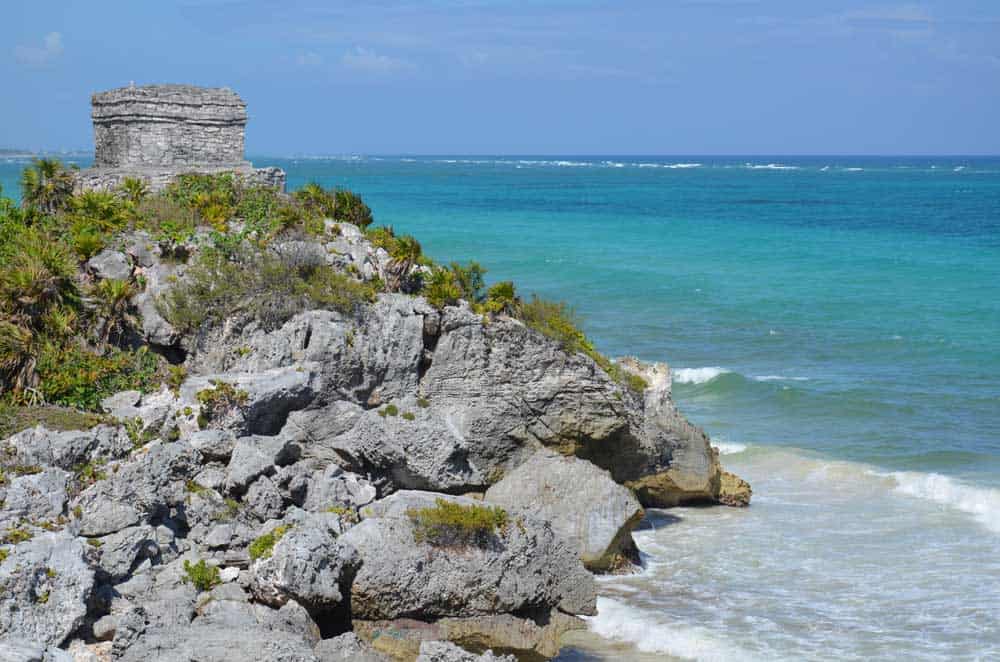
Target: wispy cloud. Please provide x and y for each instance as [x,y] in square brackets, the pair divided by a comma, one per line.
[368,61]
[37,56]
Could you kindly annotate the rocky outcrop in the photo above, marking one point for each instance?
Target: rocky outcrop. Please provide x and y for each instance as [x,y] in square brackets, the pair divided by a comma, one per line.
[581,502]
[524,566]
[443,651]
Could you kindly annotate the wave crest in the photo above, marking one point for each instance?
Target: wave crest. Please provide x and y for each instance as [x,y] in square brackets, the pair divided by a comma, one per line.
[698,375]
[981,502]
[620,622]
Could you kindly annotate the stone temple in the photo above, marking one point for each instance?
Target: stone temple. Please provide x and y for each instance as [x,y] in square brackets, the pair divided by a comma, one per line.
[156,132]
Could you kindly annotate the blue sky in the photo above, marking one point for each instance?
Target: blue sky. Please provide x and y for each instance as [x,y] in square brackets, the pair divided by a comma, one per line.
[505,77]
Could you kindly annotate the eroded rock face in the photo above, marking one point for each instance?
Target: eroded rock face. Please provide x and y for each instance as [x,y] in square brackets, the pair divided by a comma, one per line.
[581,502]
[525,566]
[46,584]
[443,651]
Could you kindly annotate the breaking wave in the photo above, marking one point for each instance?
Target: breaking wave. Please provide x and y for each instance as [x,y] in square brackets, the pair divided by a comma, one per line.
[982,503]
[697,375]
[618,621]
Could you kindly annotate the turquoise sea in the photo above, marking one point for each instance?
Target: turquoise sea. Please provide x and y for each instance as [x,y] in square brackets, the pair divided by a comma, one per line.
[832,322]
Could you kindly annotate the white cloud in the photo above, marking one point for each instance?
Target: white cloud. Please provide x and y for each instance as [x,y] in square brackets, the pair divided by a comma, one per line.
[51,48]
[368,61]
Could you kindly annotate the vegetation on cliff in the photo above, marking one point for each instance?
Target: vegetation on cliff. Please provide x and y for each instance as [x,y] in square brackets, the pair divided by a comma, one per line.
[68,338]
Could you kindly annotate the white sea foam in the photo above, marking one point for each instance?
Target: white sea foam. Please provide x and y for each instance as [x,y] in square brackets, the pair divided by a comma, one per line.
[853,169]
[982,503]
[697,375]
[779,378]
[959,168]
[729,447]
[770,166]
[618,621]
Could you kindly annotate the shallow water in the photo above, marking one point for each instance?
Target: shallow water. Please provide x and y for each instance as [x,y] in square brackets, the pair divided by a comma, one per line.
[833,323]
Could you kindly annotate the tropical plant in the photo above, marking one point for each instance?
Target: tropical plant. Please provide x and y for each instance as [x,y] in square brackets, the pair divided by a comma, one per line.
[405,254]
[440,289]
[135,190]
[350,208]
[316,200]
[46,185]
[110,304]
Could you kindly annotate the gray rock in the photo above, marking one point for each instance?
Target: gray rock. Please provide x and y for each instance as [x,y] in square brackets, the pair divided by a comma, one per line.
[46,585]
[69,449]
[333,486]
[263,499]
[444,651]
[121,551]
[110,264]
[255,456]
[347,648]
[525,565]
[310,565]
[214,444]
[581,502]
[40,496]
[104,628]
[139,491]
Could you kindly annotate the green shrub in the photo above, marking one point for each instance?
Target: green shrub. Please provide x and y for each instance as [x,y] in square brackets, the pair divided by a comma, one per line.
[388,410]
[73,376]
[176,374]
[3,554]
[350,208]
[15,535]
[423,403]
[220,399]
[441,289]
[13,418]
[262,547]
[90,472]
[201,575]
[449,524]
[409,415]
[47,185]
[268,287]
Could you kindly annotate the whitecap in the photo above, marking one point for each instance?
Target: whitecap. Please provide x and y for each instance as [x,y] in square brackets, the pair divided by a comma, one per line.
[650,634]
[959,168]
[729,448]
[697,375]
[779,378]
[981,502]
[853,169]
[682,166]
[770,166]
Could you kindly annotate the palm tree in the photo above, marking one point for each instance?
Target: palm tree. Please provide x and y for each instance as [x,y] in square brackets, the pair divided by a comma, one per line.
[46,185]
[111,304]
[405,253]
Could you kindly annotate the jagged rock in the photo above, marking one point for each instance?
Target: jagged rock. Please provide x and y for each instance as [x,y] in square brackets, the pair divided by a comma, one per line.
[580,501]
[139,491]
[401,638]
[421,453]
[18,649]
[70,449]
[525,566]
[255,456]
[264,500]
[40,496]
[120,552]
[332,487]
[110,264]
[46,583]
[214,444]
[443,651]
[308,564]
[734,491]
[347,648]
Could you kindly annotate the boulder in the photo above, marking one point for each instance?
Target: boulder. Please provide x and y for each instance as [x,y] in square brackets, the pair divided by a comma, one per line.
[255,456]
[46,584]
[110,264]
[523,565]
[580,501]
[69,449]
[308,564]
[40,496]
[734,491]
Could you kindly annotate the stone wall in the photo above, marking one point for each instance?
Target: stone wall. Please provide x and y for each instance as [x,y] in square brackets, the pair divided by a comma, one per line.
[156,132]
[168,125]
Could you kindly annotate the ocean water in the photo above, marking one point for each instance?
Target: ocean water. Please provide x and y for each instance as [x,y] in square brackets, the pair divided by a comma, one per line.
[832,322]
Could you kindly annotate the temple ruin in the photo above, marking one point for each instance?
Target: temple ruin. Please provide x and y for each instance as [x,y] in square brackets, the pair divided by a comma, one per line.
[156,132]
